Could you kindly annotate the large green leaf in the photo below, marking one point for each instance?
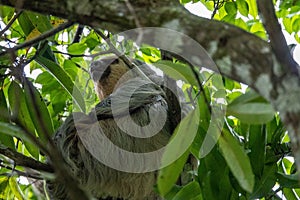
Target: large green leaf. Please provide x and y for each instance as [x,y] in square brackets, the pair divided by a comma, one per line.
[252,8]
[16,190]
[15,131]
[4,116]
[251,108]
[243,7]
[38,111]
[257,145]
[231,8]
[237,160]
[177,71]
[177,150]
[252,113]
[189,192]
[63,78]
[264,185]
[168,176]
[4,187]
[288,180]
[29,21]
[19,109]
[290,194]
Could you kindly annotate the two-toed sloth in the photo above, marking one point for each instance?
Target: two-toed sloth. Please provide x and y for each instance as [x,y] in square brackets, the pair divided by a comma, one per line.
[114,81]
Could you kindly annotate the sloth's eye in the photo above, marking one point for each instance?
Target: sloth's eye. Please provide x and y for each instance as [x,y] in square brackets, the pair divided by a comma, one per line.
[116,61]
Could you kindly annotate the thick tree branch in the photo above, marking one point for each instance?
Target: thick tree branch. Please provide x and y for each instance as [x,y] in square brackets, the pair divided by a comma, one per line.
[277,39]
[39,38]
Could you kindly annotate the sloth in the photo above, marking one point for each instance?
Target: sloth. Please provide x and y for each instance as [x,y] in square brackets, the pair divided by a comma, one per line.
[131,106]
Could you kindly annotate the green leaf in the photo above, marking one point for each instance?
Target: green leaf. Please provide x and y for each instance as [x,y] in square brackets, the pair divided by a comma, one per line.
[243,7]
[19,109]
[249,96]
[6,14]
[189,191]
[287,22]
[168,176]
[41,22]
[237,160]
[257,27]
[16,189]
[77,48]
[4,187]
[62,77]
[257,145]
[172,192]
[265,184]
[15,131]
[290,194]
[177,71]
[38,111]
[252,113]
[25,23]
[288,180]
[296,24]
[241,23]
[252,8]
[231,8]
[177,150]
[4,117]
[30,20]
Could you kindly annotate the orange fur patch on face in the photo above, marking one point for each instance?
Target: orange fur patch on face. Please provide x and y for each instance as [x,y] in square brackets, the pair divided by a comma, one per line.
[107,85]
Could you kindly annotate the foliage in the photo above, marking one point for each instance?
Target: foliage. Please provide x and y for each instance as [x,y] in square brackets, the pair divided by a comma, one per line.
[252,159]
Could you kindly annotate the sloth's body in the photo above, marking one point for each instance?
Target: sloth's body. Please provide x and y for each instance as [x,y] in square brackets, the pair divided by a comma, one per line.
[98,179]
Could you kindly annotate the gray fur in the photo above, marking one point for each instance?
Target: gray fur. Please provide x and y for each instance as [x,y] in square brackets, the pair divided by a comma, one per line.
[96,178]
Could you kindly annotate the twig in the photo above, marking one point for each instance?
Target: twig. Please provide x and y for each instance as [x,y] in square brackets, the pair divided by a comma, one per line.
[20,173]
[216,7]
[11,22]
[24,161]
[39,38]
[84,55]
[78,33]
[277,39]
[129,64]
[136,21]
[114,50]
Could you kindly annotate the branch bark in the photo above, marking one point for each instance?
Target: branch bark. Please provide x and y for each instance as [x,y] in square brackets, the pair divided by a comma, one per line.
[25,161]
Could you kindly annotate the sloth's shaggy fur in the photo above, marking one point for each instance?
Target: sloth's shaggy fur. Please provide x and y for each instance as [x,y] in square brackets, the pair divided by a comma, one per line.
[97,179]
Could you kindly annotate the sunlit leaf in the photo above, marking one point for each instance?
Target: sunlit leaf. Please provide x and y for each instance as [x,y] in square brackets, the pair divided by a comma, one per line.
[4,187]
[243,7]
[16,189]
[62,77]
[188,192]
[177,71]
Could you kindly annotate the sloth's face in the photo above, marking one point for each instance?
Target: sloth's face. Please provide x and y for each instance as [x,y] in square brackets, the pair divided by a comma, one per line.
[106,73]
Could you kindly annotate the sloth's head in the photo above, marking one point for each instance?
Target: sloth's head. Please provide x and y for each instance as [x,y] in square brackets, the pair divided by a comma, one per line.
[106,74]
[110,72]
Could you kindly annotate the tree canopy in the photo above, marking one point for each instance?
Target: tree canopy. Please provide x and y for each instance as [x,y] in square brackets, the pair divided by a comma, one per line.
[236,72]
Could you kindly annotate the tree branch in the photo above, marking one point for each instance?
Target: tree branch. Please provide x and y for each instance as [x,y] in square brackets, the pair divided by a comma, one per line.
[25,161]
[11,22]
[277,39]
[39,38]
